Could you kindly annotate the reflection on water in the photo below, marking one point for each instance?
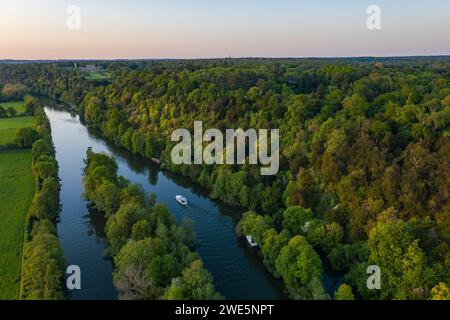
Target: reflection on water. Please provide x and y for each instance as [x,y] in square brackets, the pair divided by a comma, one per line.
[237,269]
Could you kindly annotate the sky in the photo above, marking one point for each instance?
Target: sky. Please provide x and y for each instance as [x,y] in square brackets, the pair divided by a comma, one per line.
[146,29]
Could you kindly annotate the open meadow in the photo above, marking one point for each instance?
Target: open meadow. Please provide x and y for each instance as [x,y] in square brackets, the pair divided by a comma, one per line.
[97,76]
[9,126]
[17,187]
[19,106]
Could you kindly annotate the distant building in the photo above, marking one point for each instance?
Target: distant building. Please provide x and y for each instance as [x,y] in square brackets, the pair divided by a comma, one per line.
[91,68]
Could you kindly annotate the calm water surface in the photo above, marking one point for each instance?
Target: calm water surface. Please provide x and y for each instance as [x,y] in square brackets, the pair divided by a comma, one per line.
[237,269]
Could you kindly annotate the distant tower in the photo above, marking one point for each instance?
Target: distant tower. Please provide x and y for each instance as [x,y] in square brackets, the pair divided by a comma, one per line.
[75,65]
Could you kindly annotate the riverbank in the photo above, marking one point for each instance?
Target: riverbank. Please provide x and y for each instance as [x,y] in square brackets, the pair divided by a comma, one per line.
[327,280]
[237,270]
[43,264]
[153,256]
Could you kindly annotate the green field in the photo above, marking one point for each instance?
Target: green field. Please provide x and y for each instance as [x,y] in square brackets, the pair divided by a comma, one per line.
[101,75]
[18,105]
[17,187]
[9,126]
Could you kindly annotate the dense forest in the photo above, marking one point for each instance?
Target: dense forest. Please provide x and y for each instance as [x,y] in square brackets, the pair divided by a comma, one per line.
[364,167]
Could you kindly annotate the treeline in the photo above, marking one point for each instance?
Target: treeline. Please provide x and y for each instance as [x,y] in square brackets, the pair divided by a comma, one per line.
[152,255]
[364,146]
[392,245]
[43,263]
[55,81]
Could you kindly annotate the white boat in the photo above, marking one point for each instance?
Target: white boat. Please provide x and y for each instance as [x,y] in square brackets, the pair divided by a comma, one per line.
[251,241]
[181,200]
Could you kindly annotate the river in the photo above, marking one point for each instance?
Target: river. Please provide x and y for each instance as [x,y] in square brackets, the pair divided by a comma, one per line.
[237,269]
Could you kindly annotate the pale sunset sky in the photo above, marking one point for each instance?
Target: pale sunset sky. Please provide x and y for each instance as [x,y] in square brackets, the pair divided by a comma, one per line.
[135,29]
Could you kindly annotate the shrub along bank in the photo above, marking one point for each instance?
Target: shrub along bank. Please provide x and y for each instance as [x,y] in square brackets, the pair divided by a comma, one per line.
[43,263]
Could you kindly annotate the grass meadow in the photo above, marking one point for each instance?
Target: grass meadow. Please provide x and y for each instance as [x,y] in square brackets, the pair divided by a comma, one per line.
[9,126]
[100,75]
[17,188]
[18,105]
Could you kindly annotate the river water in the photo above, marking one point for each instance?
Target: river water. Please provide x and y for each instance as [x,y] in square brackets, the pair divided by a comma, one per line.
[237,269]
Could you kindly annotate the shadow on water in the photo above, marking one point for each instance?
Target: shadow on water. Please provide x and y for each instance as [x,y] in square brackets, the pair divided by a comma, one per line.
[96,222]
[332,279]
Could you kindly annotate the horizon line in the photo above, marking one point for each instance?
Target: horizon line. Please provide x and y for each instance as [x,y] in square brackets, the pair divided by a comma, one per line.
[236,58]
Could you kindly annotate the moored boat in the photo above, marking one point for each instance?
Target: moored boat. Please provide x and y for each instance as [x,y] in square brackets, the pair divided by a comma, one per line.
[252,241]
